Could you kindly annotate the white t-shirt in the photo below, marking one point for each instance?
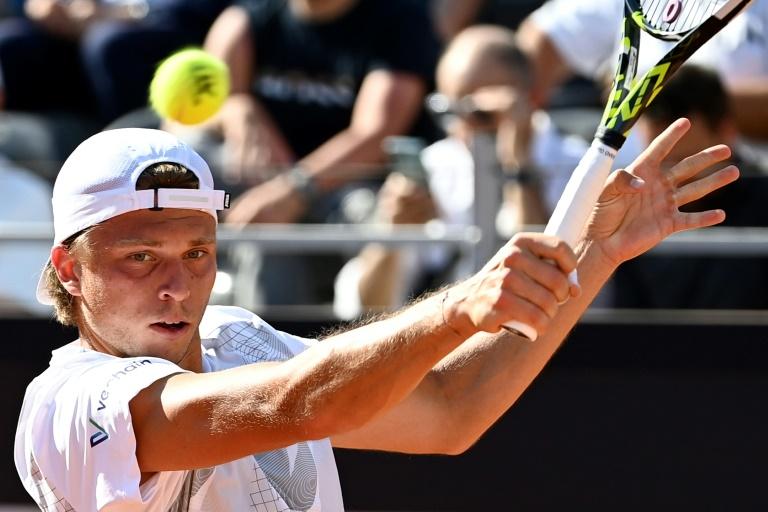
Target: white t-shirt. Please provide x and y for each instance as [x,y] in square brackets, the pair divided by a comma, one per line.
[75,446]
[451,172]
[586,33]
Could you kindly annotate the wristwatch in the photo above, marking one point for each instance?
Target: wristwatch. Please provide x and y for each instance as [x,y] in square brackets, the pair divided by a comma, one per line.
[522,175]
[302,182]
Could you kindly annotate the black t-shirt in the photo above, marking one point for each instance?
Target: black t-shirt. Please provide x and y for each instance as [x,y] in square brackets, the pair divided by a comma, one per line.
[705,282]
[308,74]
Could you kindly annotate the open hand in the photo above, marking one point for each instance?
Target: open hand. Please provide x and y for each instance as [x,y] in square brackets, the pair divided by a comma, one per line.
[639,207]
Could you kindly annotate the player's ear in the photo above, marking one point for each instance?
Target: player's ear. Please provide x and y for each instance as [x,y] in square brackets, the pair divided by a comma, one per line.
[67,268]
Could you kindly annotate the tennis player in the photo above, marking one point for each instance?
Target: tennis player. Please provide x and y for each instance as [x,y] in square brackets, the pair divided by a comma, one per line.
[166,404]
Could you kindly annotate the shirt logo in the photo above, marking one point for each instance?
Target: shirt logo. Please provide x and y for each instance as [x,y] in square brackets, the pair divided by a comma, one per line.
[100,436]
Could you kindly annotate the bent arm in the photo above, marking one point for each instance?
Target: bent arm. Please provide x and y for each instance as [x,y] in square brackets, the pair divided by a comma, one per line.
[467,391]
[550,69]
[387,104]
[470,389]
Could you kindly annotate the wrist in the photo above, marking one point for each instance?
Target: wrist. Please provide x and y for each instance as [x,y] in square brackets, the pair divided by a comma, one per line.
[302,183]
[453,319]
[592,254]
[523,174]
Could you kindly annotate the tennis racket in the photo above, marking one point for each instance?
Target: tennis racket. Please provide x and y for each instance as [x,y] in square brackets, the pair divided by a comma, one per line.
[689,23]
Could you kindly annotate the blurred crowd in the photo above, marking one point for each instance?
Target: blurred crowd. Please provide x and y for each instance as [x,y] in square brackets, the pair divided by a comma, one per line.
[377,112]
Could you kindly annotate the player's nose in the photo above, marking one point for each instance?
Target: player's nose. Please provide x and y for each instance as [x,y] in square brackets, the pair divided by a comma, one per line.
[176,281]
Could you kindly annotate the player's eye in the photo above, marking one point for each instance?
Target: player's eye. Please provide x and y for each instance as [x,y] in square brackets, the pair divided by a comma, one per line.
[140,257]
[196,254]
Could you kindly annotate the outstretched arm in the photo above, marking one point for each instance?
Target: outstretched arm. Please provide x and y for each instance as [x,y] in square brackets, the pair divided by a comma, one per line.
[476,383]
[187,421]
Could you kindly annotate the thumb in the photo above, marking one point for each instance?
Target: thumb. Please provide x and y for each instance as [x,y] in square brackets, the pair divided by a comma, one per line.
[621,182]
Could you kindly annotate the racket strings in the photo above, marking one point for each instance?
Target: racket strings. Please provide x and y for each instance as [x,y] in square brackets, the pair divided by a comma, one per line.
[669,18]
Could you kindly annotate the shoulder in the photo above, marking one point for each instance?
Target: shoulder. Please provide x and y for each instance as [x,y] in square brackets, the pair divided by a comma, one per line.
[233,336]
[83,379]
[77,414]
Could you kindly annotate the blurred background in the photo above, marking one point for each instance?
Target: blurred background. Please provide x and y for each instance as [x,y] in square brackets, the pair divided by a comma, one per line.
[378,149]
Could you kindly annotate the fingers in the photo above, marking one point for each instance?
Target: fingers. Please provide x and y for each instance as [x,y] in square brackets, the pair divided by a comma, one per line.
[701,187]
[692,165]
[687,221]
[547,248]
[526,300]
[663,144]
[537,271]
[526,281]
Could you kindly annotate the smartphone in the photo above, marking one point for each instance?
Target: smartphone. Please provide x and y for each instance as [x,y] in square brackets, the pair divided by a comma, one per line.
[404,155]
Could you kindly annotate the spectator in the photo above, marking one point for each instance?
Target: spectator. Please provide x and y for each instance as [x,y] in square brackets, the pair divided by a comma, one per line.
[582,36]
[485,82]
[316,87]
[700,282]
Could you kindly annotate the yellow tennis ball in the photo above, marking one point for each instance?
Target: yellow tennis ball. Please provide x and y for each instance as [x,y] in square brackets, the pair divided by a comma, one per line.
[189,86]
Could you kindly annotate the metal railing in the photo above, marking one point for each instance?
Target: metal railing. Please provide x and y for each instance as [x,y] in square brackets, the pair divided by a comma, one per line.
[334,238]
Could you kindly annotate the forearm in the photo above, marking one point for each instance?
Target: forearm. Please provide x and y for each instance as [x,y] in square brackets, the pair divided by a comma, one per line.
[483,378]
[549,67]
[380,269]
[348,156]
[387,104]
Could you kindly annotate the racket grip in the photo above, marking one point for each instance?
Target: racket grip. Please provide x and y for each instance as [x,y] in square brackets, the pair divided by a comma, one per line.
[573,209]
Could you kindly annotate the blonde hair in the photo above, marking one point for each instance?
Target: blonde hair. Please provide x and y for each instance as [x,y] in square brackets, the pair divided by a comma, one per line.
[160,175]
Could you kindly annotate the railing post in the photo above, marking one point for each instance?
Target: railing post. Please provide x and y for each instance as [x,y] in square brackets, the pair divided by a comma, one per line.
[488,195]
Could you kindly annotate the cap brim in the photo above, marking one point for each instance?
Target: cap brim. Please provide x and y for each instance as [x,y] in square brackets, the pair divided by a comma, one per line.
[43,296]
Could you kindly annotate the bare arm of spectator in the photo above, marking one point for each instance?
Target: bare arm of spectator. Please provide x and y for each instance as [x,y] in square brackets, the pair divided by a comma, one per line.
[254,143]
[549,67]
[387,104]
[512,110]
[401,201]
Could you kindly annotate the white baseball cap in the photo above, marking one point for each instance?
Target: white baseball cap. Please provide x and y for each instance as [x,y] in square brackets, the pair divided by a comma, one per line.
[98,182]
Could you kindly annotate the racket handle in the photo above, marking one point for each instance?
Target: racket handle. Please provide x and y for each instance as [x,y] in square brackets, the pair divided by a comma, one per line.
[574,208]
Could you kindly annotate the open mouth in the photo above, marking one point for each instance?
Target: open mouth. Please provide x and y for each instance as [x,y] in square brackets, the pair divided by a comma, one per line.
[171,327]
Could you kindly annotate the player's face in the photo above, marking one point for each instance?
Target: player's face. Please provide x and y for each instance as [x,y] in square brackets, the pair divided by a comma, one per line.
[145,279]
